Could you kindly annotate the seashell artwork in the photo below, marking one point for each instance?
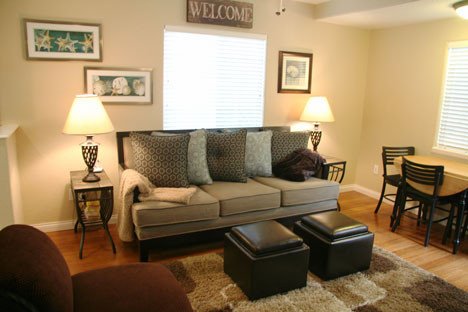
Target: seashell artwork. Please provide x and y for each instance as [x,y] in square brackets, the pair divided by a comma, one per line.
[99,87]
[126,90]
[118,85]
[139,87]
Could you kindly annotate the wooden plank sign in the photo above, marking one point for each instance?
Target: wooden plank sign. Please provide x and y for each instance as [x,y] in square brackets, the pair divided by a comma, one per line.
[220,12]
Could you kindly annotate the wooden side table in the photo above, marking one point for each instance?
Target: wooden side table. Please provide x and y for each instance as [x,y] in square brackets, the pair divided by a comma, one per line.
[94,203]
[333,170]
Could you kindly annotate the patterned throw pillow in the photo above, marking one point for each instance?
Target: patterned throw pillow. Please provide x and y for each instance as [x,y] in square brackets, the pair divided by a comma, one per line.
[258,154]
[162,159]
[226,155]
[197,167]
[284,143]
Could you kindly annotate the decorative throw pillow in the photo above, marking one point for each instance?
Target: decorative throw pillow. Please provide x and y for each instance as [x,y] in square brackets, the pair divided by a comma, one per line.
[226,155]
[162,159]
[258,154]
[197,167]
[284,143]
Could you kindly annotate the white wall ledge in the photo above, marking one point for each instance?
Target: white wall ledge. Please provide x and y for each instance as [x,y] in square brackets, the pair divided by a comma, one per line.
[7,130]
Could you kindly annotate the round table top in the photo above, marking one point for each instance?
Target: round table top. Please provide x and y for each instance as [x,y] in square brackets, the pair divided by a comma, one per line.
[455,174]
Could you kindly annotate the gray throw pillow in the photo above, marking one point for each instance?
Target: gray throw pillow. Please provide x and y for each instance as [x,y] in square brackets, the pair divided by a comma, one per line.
[258,154]
[226,155]
[162,159]
[284,143]
[197,167]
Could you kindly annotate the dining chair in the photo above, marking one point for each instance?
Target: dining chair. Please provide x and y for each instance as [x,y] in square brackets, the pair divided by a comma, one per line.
[428,176]
[455,220]
[388,156]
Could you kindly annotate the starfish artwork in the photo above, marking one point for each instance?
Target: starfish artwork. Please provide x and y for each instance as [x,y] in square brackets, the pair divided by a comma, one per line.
[87,43]
[46,38]
[38,42]
[66,43]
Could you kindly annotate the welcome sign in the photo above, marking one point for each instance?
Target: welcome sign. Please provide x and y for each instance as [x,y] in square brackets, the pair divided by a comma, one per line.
[220,12]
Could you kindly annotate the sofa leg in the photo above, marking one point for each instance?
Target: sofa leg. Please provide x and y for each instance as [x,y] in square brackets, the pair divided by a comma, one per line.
[143,251]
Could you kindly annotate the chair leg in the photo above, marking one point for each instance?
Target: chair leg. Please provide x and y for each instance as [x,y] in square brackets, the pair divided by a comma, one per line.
[465,226]
[399,208]
[381,197]
[448,227]
[429,224]
[395,206]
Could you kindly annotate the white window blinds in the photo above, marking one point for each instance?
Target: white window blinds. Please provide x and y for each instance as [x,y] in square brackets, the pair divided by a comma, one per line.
[212,79]
[453,124]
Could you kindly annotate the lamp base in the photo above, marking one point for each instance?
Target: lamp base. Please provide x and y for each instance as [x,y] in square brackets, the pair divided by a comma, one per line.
[91,177]
[89,149]
[315,137]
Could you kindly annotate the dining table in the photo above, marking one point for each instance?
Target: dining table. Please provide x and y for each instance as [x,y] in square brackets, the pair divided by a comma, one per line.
[455,183]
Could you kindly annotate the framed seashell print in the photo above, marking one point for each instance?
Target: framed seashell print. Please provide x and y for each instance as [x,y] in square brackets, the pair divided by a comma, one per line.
[49,40]
[294,72]
[120,85]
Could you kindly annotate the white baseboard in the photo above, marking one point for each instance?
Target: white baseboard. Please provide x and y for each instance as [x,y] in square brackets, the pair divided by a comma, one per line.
[63,225]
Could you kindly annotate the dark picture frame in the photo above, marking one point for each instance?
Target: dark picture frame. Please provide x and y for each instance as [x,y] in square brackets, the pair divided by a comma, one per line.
[62,41]
[294,72]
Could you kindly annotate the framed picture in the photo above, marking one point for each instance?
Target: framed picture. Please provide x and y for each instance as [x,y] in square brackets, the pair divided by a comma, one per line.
[294,72]
[120,85]
[47,40]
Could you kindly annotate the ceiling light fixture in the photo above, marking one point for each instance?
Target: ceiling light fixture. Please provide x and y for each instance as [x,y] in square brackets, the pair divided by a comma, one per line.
[281,9]
[461,8]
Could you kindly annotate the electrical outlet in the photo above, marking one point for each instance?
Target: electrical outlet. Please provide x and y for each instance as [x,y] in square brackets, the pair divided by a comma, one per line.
[376,169]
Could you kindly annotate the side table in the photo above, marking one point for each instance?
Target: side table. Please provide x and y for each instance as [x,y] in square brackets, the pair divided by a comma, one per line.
[94,203]
[333,170]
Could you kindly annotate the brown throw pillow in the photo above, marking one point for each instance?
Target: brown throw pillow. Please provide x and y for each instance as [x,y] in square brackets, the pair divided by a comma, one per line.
[284,143]
[226,155]
[162,159]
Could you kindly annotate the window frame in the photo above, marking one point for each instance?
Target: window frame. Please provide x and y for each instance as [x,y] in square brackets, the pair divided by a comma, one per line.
[436,148]
[214,32]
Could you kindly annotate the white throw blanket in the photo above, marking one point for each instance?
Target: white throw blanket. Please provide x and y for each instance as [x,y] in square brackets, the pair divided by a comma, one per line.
[130,180]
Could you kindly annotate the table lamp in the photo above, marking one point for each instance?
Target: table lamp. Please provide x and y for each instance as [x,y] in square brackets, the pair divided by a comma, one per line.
[88,117]
[317,110]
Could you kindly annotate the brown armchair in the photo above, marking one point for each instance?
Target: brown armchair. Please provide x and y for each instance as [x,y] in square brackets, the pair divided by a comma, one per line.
[35,277]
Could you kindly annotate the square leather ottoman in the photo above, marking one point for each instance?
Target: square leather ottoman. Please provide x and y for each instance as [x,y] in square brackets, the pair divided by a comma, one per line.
[265,258]
[339,245]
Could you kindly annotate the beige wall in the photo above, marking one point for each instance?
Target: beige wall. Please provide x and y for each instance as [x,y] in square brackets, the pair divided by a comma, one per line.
[406,69]
[37,94]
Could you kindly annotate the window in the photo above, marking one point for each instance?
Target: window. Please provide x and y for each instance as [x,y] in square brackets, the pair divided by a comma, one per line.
[452,137]
[213,79]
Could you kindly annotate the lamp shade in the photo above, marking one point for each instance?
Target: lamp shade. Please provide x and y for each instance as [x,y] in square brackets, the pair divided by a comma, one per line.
[317,109]
[461,8]
[87,116]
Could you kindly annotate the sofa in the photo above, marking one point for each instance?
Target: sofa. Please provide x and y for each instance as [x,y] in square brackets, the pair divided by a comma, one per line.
[235,187]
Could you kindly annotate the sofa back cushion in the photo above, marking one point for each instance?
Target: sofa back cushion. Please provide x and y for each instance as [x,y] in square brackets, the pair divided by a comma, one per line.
[284,143]
[226,155]
[162,159]
[258,154]
[197,167]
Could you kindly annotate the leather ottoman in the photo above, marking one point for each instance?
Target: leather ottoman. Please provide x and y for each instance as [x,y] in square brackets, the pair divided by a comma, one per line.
[265,259]
[338,244]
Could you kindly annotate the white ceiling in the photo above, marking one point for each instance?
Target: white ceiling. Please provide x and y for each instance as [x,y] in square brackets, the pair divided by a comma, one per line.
[375,14]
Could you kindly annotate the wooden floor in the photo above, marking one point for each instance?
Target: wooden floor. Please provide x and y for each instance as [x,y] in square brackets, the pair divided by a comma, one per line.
[406,242]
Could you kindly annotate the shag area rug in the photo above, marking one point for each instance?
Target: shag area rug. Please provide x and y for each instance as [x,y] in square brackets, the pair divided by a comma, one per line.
[390,284]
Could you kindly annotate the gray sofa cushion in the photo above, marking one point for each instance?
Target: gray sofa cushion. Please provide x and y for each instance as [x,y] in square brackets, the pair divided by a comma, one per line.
[258,154]
[297,193]
[226,155]
[284,143]
[163,160]
[237,198]
[202,206]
